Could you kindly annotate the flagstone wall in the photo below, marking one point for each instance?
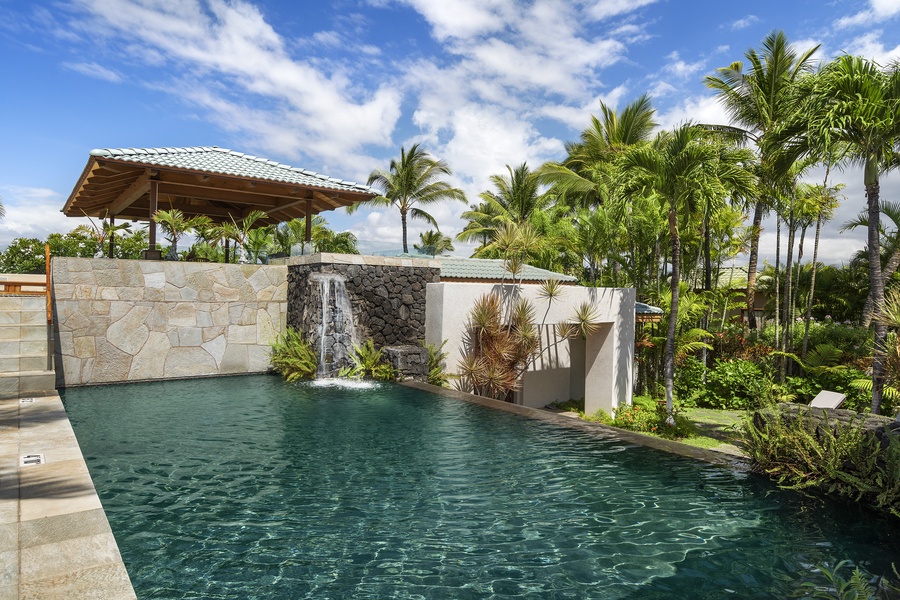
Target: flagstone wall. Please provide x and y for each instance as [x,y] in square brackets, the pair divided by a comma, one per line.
[131,320]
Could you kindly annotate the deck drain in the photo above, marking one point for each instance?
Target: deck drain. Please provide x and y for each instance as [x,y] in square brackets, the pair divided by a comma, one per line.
[26,400]
[31,459]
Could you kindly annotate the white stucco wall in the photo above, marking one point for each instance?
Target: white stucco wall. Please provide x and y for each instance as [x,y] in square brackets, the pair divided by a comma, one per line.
[603,363]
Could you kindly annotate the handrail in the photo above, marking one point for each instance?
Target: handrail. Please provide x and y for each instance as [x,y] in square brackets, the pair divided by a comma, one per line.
[47,287]
[13,285]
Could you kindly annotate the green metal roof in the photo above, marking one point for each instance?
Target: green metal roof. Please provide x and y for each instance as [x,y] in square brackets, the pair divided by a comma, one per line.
[493,269]
[212,159]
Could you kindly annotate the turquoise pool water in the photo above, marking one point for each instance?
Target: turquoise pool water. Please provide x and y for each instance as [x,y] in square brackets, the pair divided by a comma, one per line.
[247,487]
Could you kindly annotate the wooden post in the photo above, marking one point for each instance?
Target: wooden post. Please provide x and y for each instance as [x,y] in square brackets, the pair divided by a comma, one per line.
[112,236]
[308,221]
[47,285]
[154,199]
[227,248]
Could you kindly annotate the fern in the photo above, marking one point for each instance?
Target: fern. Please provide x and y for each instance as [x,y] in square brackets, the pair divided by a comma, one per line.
[369,363]
[436,358]
[293,357]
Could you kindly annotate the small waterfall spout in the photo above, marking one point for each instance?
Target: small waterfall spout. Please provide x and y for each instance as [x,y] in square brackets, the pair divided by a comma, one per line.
[337,330]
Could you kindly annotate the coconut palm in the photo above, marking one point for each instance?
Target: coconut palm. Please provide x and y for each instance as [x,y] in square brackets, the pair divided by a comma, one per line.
[890,244]
[590,176]
[688,171]
[856,106]
[175,226]
[758,99]
[414,179]
[434,243]
[239,232]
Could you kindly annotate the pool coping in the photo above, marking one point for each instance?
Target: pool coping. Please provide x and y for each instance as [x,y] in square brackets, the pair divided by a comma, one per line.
[55,539]
[591,427]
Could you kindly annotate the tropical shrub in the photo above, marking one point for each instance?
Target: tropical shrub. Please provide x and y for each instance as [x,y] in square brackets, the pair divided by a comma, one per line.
[842,460]
[369,363]
[293,357]
[735,385]
[646,415]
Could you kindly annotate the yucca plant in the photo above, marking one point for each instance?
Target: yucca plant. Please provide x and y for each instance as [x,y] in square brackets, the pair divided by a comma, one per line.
[293,357]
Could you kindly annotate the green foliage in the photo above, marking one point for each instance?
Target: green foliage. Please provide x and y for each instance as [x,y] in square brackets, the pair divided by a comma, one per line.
[437,356]
[857,587]
[369,363]
[293,357]
[689,381]
[23,255]
[646,415]
[734,385]
[843,460]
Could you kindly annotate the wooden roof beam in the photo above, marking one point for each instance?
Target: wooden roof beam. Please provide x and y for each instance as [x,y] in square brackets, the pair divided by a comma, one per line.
[329,201]
[137,189]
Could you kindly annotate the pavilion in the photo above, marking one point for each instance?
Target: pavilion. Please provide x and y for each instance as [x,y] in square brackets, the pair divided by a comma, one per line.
[133,183]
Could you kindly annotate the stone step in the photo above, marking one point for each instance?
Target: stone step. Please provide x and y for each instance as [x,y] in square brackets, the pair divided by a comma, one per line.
[23,317]
[19,332]
[16,348]
[29,303]
[27,383]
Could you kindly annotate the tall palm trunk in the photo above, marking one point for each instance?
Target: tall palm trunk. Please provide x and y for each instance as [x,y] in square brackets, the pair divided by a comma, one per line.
[788,280]
[876,292]
[403,226]
[889,269]
[751,264]
[669,373]
[812,287]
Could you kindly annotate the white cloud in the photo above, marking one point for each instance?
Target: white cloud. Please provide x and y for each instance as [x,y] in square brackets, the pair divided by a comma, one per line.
[464,18]
[92,69]
[871,46]
[697,109]
[878,10]
[237,62]
[604,9]
[744,22]
[682,69]
[33,212]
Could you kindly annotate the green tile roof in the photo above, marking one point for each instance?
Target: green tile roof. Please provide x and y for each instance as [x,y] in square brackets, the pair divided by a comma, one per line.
[493,269]
[221,161]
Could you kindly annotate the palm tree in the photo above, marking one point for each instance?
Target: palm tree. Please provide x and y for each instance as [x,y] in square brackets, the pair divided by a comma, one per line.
[890,244]
[434,243]
[856,106]
[175,226]
[685,169]
[758,99]
[2,208]
[590,176]
[239,232]
[413,180]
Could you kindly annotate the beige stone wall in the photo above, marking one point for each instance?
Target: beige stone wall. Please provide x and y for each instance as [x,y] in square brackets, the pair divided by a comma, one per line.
[130,320]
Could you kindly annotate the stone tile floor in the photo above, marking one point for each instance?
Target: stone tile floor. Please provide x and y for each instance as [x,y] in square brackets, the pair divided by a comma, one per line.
[55,541]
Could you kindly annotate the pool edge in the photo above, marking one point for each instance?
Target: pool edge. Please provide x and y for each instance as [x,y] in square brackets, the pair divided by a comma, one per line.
[58,542]
[594,428]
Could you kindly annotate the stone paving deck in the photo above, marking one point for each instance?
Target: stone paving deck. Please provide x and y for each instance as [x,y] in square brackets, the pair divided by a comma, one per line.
[55,540]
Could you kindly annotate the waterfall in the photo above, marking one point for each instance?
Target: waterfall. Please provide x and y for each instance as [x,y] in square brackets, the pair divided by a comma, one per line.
[337,331]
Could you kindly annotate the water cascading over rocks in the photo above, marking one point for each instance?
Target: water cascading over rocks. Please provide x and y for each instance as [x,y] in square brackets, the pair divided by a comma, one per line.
[337,330]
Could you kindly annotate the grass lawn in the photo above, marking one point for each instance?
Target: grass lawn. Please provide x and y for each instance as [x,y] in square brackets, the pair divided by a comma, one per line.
[716,429]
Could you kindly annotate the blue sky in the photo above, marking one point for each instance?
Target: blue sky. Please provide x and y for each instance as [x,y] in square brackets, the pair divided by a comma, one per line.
[337,87]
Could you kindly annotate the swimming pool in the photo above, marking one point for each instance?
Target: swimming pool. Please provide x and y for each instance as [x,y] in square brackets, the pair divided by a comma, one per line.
[244,487]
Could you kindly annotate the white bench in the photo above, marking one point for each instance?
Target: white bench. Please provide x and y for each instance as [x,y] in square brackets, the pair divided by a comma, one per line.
[826,399]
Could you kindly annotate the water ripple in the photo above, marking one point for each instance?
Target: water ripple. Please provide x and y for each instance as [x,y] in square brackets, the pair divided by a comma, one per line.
[249,487]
